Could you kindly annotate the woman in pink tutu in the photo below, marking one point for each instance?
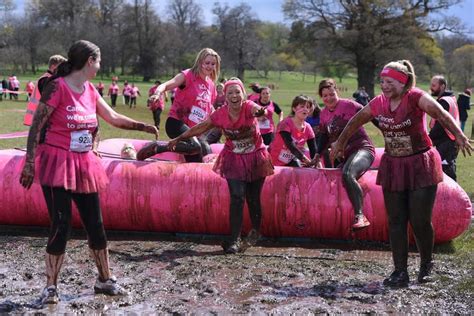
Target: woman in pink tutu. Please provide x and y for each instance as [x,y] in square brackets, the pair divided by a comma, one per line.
[193,103]
[244,162]
[292,134]
[359,152]
[66,166]
[410,169]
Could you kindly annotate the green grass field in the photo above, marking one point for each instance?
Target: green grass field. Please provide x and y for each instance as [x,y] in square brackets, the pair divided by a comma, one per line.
[290,85]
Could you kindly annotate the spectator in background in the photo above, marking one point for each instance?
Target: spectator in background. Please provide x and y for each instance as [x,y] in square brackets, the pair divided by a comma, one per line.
[14,86]
[442,138]
[361,96]
[134,93]
[220,98]
[29,88]
[255,95]
[53,63]
[100,88]
[5,87]
[265,122]
[126,92]
[464,104]
[113,92]
[158,105]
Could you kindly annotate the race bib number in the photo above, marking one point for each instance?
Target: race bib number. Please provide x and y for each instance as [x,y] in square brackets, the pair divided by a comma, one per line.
[81,141]
[197,115]
[243,146]
[286,156]
[399,146]
[264,124]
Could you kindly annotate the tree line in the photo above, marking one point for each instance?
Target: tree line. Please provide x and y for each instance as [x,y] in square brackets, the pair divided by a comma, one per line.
[328,37]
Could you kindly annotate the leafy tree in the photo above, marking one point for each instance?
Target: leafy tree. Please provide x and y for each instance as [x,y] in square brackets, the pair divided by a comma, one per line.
[464,65]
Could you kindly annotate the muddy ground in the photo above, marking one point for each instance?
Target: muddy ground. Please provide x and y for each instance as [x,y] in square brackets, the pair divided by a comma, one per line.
[189,274]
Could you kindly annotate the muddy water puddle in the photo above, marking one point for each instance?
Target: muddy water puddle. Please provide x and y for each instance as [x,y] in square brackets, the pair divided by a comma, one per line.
[194,276]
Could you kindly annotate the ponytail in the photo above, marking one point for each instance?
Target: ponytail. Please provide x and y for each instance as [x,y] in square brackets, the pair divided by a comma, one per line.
[64,69]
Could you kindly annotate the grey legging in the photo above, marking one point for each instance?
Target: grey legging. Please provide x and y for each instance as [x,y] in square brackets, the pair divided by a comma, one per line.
[357,164]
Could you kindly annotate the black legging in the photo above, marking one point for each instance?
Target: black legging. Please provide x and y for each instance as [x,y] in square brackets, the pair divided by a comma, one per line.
[415,207]
[354,168]
[193,148]
[268,138]
[59,202]
[240,191]
[113,100]
[157,117]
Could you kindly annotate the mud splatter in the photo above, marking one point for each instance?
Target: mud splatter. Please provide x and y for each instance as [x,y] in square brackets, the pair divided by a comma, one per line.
[182,275]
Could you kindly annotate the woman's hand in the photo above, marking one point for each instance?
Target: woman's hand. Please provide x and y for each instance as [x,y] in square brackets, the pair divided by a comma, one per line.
[172,143]
[316,162]
[306,162]
[27,174]
[464,144]
[337,151]
[154,98]
[151,129]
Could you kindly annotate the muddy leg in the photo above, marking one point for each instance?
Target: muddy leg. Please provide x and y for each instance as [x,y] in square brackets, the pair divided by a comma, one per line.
[101,258]
[53,266]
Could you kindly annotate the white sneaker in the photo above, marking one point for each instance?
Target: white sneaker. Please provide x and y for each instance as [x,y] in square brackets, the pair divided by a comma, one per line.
[109,287]
[50,295]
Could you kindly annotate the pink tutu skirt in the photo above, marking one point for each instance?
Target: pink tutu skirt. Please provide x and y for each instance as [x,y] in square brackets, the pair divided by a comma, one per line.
[411,172]
[245,167]
[78,172]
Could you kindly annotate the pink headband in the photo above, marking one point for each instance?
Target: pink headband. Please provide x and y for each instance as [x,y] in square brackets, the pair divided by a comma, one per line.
[233,82]
[394,74]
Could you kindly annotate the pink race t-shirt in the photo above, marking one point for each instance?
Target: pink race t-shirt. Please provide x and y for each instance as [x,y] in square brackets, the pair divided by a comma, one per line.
[281,155]
[332,123]
[242,136]
[194,103]
[74,117]
[404,129]
[134,92]
[127,90]
[266,123]
[113,89]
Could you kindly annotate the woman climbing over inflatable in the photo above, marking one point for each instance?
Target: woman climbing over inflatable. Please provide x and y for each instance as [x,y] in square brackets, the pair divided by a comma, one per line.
[359,153]
[193,103]
[410,169]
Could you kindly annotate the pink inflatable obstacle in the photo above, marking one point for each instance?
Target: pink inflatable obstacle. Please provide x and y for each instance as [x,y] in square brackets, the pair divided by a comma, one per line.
[166,196]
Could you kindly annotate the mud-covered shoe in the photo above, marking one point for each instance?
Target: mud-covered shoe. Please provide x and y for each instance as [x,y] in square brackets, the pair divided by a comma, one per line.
[397,279]
[425,275]
[151,149]
[109,287]
[49,295]
[252,238]
[231,247]
[360,222]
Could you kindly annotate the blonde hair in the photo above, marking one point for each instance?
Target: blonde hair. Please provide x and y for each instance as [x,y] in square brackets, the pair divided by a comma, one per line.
[200,58]
[404,66]
[56,60]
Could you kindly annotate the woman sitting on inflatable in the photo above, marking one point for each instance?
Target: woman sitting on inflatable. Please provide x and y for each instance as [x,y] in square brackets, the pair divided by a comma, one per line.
[292,133]
[359,152]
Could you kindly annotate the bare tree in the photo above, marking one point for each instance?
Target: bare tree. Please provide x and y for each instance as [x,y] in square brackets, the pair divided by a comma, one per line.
[371,31]
[238,38]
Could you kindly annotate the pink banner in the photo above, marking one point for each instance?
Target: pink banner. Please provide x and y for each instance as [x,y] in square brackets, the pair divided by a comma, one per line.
[14,135]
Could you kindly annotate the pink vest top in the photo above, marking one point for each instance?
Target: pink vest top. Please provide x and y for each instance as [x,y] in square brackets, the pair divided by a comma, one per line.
[74,117]
[281,155]
[242,136]
[194,103]
[404,129]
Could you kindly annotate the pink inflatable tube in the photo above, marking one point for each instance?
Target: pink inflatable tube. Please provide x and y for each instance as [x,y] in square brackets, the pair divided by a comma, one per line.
[164,196]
